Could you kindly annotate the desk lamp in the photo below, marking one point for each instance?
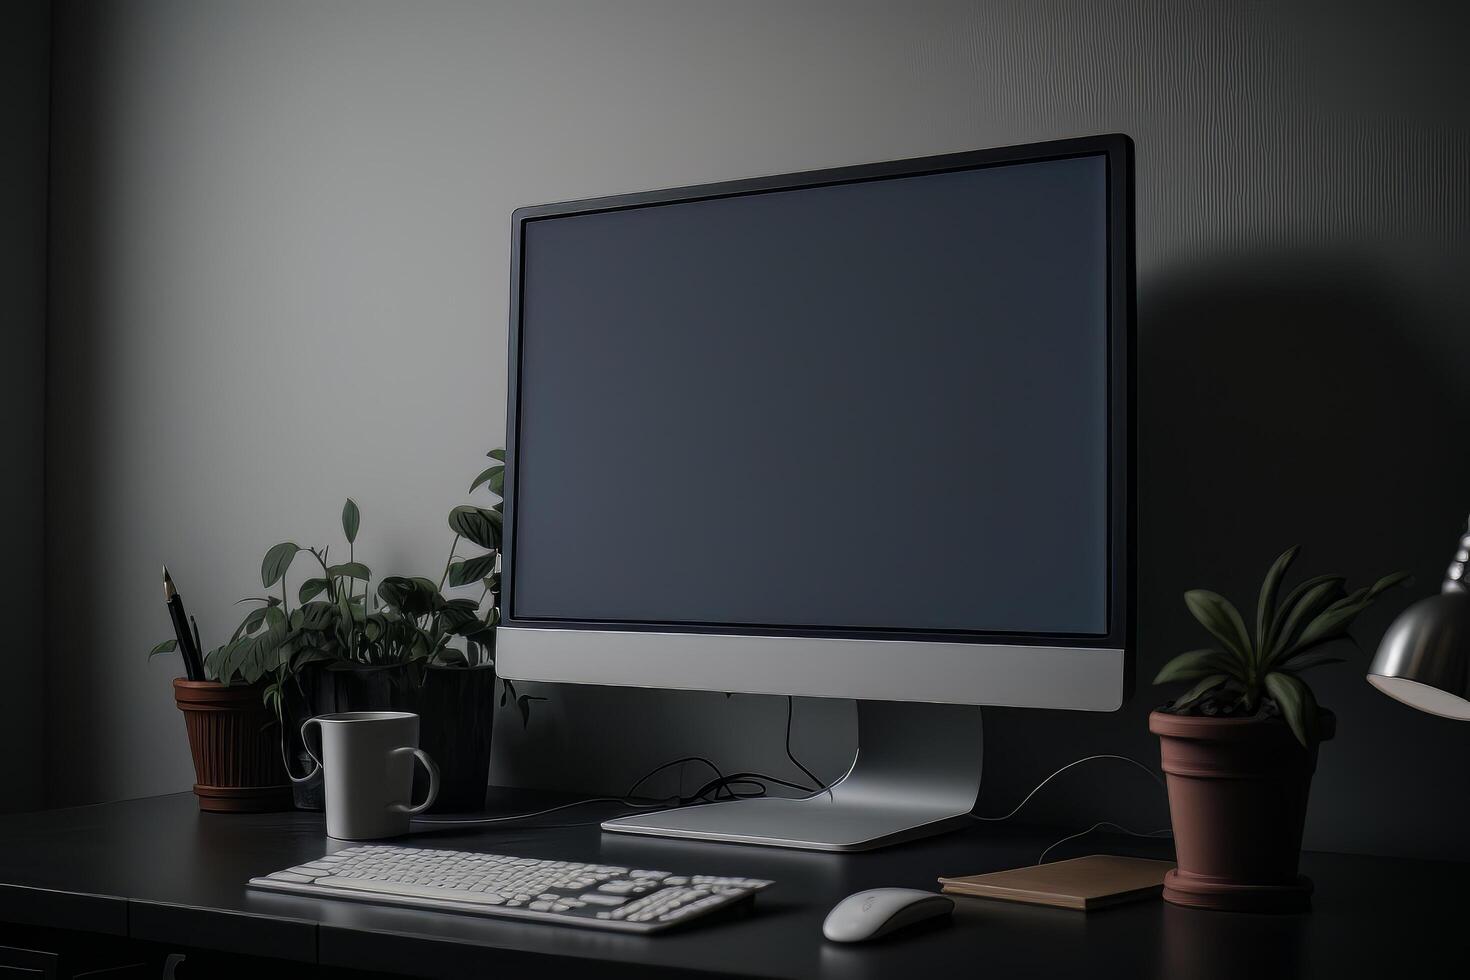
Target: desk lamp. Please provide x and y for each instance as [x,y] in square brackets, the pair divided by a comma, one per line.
[1424,659]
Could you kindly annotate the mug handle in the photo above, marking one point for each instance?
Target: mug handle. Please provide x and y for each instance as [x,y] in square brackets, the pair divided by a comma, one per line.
[306,744]
[433,772]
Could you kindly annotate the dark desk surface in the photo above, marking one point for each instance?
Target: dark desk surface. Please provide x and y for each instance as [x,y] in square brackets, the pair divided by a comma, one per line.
[158,870]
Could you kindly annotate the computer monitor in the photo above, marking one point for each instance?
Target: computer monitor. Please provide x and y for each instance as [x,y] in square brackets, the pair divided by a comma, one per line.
[858,433]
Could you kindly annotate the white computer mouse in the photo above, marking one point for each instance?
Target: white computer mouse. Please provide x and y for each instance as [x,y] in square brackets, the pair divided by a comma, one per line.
[880,911]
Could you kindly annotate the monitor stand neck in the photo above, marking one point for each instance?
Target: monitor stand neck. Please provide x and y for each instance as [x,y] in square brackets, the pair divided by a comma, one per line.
[917,772]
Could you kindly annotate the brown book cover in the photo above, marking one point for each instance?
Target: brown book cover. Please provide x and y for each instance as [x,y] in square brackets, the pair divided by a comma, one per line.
[1085,883]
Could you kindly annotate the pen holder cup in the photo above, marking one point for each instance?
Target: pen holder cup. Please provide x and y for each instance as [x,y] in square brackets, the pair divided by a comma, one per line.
[236,744]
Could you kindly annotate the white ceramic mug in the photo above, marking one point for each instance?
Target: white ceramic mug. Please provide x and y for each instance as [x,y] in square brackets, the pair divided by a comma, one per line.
[366,760]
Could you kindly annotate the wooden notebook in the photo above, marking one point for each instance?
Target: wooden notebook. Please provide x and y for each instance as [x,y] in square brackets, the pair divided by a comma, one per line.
[1085,883]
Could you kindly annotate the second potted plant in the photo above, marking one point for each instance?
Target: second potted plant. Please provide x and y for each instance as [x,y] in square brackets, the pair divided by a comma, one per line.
[1239,747]
[405,645]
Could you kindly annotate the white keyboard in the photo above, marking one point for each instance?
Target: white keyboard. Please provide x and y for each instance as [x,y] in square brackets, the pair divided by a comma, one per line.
[600,896]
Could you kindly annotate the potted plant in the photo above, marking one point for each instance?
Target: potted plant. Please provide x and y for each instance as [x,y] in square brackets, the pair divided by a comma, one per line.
[403,645]
[1239,747]
[276,645]
[234,740]
[446,647]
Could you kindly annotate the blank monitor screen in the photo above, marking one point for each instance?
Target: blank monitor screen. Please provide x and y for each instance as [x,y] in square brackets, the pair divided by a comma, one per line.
[872,406]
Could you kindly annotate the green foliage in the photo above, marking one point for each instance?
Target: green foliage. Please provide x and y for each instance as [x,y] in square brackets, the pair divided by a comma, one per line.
[341,618]
[1247,670]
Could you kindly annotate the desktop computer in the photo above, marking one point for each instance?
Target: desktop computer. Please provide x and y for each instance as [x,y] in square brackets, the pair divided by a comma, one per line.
[861,433]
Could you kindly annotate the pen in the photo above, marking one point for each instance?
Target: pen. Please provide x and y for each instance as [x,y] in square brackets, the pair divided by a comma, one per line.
[188,649]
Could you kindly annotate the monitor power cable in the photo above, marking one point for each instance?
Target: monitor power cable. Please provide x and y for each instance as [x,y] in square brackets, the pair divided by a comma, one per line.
[750,785]
[1104,756]
[734,786]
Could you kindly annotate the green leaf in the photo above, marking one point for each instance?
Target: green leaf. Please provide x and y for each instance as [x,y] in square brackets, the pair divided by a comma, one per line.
[1330,625]
[212,660]
[1297,705]
[350,569]
[311,588]
[477,524]
[1306,661]
[351,520]
[167,646]
[276,562]
[1195,664]
[1207,684]
[234,656]
[1314,601]
[471,569]
[494,476]
[1356,596]
[252,666]
[1290,603]
[1216,614]
[411,596]
[1266,606]
[394,591]
[485,635]
[345,618]
[317,615]
[251,623]
[1387,582]
[497,454]
[460,616]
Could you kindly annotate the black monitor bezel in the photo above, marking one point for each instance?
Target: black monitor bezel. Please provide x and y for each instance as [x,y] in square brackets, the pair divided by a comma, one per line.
[1117,149]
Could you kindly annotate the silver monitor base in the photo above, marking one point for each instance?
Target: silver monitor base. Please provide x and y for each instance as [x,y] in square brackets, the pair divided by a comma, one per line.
[917,772]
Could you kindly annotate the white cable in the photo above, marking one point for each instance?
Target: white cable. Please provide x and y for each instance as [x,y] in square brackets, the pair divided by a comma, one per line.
[1104,823]
[1121,758]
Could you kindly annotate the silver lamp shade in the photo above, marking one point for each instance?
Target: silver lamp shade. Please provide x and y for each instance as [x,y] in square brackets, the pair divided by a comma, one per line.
[1424,659]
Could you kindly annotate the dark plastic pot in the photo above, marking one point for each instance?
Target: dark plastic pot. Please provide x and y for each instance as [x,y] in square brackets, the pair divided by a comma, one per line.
[456,708]
[1238,792]
[325,690]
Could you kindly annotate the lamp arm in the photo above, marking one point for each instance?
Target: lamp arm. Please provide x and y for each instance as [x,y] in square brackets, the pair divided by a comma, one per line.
[1455,576]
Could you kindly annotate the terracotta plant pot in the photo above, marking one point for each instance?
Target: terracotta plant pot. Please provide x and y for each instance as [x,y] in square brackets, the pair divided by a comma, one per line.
[1238,800]
[235,741]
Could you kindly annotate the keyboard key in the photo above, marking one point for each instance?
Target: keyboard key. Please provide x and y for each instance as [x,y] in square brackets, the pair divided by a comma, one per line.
[600,899]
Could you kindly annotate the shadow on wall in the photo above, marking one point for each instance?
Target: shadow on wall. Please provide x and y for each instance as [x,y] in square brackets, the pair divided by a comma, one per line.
[87,730]
[1307,398]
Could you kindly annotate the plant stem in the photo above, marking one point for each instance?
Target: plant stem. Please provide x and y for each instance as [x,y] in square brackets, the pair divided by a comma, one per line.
[321,559]
[447,562]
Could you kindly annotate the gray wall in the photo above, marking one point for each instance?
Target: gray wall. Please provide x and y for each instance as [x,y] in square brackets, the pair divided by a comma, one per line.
[25,91]
[279,278]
